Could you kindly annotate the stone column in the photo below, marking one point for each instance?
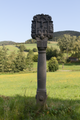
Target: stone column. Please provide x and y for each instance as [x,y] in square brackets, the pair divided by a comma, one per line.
[41,77]
[41,71]
[42,30]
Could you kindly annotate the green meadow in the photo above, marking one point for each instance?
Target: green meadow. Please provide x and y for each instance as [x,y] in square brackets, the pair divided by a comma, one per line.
[31,46]
[17,96]
[18,91]
[13,48]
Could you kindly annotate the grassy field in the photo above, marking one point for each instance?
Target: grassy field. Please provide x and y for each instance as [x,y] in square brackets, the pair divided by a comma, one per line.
[17,93]
[17,100]
[67,67]
[12,48]
[31,46]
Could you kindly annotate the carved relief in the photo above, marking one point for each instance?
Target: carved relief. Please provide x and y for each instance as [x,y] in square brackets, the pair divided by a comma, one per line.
[42,27]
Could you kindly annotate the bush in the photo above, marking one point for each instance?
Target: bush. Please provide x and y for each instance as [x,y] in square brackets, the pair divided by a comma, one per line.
[22,48]
[53,64]
[35,58]
[34,49]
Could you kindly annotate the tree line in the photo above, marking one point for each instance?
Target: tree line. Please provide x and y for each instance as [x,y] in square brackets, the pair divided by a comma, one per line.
[68,46]
[15,62]
[56,36]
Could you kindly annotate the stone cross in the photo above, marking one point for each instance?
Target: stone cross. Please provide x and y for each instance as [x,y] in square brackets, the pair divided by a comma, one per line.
[42,30]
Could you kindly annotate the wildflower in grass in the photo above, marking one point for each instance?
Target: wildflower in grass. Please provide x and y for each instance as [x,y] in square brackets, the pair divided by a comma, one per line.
[47,112]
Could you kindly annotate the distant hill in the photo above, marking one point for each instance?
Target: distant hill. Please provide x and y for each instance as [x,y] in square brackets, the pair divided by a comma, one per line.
[72,33]
[60,34]
[6,43]
[56,36]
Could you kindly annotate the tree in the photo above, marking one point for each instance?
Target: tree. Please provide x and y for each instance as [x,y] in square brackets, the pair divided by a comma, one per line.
[5,59]
[30,54]
[29,60]
[22,48]
[66,44]
[11,61]
[20,62]
[1,60]
[78,38]
[50,52]
[61,58]
[35,58]
[76,49]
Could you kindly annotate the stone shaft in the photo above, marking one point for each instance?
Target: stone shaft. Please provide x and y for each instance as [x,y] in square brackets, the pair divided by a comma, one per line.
[42,30]
[41,74]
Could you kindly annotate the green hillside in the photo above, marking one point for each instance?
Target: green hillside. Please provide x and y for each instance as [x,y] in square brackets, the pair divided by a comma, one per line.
[72,33]
[60,34]
[6,43]
[13,48]
[31,43]
[57,35]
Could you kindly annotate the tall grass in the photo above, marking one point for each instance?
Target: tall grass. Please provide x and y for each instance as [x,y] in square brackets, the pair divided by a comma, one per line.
[17,100]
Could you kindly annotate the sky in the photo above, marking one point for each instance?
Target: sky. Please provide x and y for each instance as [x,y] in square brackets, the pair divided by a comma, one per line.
[16,17]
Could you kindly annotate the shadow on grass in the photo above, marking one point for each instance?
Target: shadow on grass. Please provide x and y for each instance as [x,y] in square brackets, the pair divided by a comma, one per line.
[25,108]
[71,64]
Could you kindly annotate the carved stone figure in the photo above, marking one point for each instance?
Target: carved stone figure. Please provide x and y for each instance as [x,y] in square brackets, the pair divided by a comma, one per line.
[42,27]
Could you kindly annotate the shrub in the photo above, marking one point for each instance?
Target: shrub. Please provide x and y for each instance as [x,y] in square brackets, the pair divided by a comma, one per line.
[34,49]
[35,58]
[53,64]
[22,48]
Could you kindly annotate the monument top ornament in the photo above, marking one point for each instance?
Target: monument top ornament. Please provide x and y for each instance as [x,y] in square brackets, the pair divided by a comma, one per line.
[42,27]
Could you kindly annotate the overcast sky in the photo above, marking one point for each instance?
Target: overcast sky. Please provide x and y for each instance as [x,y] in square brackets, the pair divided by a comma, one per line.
[16,16]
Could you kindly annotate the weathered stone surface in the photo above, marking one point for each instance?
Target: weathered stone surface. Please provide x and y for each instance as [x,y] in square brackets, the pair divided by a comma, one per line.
[42,26]
[42,30]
